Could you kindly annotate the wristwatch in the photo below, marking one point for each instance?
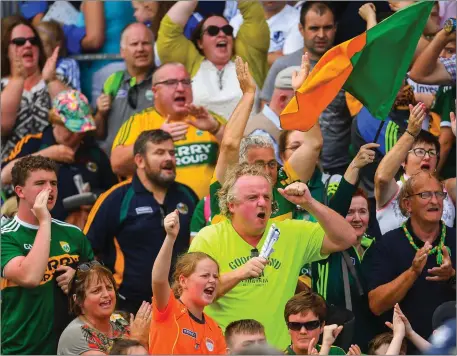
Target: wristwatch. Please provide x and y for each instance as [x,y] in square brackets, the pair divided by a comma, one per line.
[449,25]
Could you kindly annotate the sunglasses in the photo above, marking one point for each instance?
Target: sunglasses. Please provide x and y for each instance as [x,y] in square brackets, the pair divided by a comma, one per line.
[132,96]
[214,30]
[86,266]
[309,325]
[20,41]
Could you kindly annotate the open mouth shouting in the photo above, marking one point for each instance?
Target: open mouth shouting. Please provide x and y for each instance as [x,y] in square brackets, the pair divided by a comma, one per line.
[180,100]
[222,44]
[425,166]
[106,304]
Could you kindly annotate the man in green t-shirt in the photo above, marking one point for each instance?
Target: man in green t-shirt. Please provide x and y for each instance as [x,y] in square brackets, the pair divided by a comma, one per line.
[32,308]
[251,286]
[259,149]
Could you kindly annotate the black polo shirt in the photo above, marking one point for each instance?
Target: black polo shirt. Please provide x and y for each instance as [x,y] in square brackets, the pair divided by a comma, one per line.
[90,162]
[393,255]
[125,228]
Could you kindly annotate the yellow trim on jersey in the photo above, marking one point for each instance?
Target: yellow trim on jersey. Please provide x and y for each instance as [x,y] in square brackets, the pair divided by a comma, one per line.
[18,148]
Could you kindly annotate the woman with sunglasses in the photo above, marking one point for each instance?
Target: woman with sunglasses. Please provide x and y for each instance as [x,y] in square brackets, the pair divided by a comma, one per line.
[416,150]
[209,55]
[179,325]
[92,298]
[28,83]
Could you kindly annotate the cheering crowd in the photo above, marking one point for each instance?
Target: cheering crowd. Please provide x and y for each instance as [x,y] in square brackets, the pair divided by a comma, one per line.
[140,196]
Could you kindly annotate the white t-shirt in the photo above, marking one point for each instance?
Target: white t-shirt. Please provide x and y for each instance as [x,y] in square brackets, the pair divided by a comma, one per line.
[284,33]
[216,90]
[390,217]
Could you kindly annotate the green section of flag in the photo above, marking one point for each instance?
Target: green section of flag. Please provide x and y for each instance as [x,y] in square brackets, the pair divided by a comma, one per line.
[380,68]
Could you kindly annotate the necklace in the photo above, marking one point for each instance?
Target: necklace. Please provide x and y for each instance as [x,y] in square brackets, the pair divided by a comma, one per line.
[110,332]
[437,249]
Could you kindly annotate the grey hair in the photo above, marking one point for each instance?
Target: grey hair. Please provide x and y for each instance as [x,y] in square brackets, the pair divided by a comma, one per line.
[126,29]
[254,141]
[226,194]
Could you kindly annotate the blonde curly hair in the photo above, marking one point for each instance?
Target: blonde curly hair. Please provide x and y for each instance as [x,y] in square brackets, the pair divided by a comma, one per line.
[226,194]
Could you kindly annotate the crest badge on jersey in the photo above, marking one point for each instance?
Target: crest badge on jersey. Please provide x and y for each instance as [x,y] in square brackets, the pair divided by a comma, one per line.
[199,132]
[92,167]
[182,208]
[209,344]
[65,246]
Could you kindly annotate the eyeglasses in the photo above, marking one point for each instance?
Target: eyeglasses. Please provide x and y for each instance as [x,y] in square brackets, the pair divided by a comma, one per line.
[86,266]
[309,325]
[213,30]
[428,195]
[174,82]
[420,152]
[20,41]
[271,164]
[132,96]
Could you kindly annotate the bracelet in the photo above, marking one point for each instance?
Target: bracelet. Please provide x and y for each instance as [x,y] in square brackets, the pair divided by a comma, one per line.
[410,133]
[216,130]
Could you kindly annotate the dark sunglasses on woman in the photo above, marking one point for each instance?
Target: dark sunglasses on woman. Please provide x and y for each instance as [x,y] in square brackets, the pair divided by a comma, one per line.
[213,30]
[20,41]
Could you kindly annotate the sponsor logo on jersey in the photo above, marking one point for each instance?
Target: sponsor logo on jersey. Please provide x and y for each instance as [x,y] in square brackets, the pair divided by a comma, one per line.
[65,246]
[143,210]
[196,154]
[189,333]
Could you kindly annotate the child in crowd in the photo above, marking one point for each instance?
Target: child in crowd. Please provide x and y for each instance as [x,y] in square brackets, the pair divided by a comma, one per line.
[179,325]
[52,36]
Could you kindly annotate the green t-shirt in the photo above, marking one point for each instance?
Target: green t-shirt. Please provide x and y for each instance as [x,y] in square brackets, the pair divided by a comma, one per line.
[27,318]
[262,298]
[334,350]
[285,209]
[199,220]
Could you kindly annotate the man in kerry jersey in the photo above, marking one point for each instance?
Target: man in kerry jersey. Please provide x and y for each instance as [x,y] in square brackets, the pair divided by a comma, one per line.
[32,310]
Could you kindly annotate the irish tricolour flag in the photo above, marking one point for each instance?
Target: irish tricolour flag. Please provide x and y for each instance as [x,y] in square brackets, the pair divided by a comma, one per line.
[371,67]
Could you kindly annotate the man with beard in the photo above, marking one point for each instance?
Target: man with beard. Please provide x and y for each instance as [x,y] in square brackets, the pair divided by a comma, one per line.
[125,227]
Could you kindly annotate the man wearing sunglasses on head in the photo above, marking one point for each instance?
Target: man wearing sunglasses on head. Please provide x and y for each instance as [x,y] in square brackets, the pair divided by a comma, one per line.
[127,92]
[209,55]
[38,253]
[195,131]
[415,151]
[305,315]
[414,265]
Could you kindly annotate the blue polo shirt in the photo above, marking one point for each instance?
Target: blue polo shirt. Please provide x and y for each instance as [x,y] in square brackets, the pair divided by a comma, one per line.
[390,257]
[90,161]
[126,231]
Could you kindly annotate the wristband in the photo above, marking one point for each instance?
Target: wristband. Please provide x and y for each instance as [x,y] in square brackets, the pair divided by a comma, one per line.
[410,133]
[215,131]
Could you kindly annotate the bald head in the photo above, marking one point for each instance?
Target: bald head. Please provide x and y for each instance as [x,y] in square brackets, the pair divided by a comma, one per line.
[136,29]
[163,72]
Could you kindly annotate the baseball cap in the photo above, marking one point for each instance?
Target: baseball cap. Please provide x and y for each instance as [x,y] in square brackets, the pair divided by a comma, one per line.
[284,78]
[72,108]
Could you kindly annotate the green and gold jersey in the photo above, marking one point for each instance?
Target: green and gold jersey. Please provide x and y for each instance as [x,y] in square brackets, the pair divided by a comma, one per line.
[284,208]
[27,317]
[196,155]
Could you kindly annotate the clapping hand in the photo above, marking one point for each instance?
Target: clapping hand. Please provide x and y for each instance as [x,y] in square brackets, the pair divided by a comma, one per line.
[298,78]
[49,70]
[203,120]
[416,117]
[445,271]
[245,79]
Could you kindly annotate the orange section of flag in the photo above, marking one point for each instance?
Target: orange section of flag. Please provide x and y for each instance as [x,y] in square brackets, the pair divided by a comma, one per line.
[322,85]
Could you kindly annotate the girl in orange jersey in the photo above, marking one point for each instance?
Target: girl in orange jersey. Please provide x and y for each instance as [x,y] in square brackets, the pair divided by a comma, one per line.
[179,325]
